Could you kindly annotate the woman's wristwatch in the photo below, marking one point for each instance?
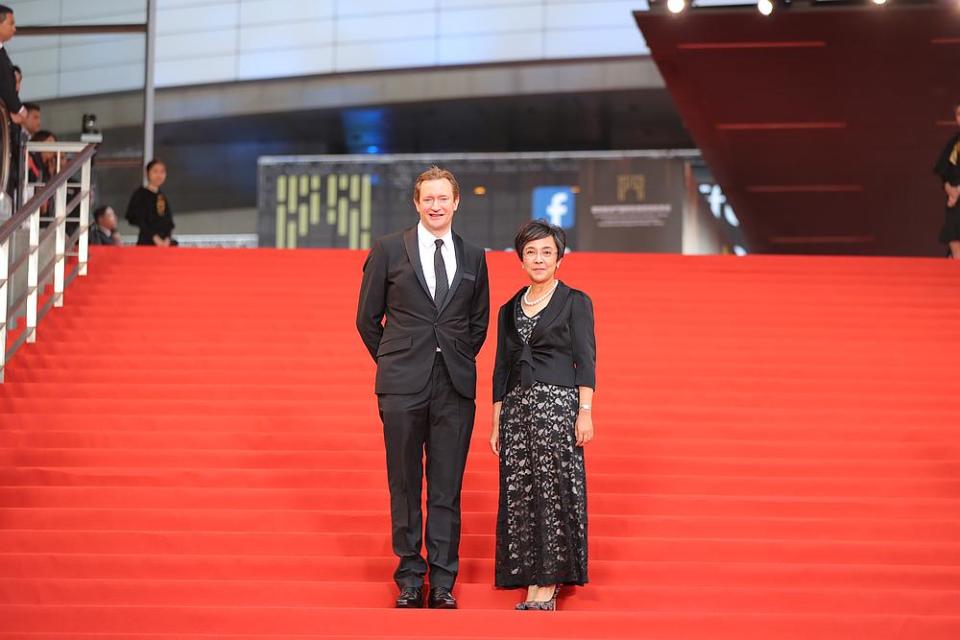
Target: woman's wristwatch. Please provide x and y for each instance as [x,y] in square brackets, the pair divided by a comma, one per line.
[585,407]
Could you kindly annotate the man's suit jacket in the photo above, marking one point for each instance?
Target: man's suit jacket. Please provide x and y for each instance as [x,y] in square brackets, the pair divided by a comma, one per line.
[8,93]
[8,83]
[406,347]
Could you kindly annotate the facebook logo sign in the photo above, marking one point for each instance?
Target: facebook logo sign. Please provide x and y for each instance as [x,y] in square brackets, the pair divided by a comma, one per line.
[556,204]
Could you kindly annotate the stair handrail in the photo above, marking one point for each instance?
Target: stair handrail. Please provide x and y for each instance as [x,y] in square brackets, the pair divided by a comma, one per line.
[28,215]
[6,146]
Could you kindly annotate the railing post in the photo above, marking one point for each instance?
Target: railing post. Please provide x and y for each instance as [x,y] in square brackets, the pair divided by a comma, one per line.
[82,242]
[4,301]
[61,248]
[52,197]
[33,271]
[24,176]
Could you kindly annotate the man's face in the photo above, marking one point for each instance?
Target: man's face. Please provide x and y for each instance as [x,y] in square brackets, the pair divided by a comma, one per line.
[7,28]
[436,205]
[32,122]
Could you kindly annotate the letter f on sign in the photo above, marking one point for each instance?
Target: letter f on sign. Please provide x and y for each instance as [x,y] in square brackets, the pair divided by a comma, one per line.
[557,208]
[556,203]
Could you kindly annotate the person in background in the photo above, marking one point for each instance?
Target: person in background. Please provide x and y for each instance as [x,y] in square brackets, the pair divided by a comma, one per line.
[31,124]
[9,83]
[149,209]
[42,165]
[18,75]
[948,169]
[103,231]
[10,94]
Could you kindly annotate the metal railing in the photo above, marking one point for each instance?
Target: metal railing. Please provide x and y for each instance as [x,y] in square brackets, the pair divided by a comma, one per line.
[25,302]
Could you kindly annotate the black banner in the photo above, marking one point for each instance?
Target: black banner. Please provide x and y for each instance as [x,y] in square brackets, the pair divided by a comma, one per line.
[605,201]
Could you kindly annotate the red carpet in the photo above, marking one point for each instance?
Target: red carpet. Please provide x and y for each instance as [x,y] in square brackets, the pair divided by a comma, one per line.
[192,450]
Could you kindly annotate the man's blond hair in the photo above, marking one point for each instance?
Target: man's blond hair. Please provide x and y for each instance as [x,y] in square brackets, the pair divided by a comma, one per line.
[435,173]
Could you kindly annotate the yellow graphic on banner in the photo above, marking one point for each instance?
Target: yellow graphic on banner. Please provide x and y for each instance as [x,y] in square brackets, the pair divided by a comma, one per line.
[637,183]
[301,202]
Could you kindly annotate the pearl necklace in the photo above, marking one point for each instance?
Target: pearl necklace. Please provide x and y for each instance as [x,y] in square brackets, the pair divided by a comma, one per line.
[532,303]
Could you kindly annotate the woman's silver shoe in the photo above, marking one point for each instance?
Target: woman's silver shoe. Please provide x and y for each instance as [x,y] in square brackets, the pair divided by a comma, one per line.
[551,604]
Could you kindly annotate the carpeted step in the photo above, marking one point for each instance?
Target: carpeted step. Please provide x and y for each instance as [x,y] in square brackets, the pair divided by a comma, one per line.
[192,450]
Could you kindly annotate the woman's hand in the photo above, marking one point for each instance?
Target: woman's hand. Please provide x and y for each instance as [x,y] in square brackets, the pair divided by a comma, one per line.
[584,428]
[495,432]
[953,193]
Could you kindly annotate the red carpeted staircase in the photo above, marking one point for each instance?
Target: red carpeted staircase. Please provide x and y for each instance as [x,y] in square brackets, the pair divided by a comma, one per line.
[192,450]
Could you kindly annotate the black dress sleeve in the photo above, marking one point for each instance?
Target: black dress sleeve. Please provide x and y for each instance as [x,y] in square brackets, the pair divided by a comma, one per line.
[947,163]
[136,209]
[584,341]
[501,367]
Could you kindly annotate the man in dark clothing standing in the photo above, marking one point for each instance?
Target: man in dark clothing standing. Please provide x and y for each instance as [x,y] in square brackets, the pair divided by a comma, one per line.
[431,288]
[9,94]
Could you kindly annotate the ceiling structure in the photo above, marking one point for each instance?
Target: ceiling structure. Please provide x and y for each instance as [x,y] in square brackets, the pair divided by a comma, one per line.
[821,124]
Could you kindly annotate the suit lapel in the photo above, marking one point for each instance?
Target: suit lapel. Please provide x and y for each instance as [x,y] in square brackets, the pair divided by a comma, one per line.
[553,308]
[458,274]
[413,253]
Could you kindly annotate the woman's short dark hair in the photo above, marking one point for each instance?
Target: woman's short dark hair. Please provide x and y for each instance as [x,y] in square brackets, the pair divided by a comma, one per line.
[538,230]
[153,163]
[41,136]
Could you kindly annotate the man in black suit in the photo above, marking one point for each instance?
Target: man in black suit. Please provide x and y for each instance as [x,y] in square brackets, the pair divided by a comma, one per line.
[432,288]
[9,95]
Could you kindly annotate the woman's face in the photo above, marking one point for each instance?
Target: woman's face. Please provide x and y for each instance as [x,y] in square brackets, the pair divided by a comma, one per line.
[157,174]
[541,259]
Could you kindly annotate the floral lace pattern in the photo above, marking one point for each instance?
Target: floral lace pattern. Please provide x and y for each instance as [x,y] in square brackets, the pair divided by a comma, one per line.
[542,517]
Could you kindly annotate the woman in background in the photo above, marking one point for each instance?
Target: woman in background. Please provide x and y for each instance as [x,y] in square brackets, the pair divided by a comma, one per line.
[42,165]
[949,171]
[149,209]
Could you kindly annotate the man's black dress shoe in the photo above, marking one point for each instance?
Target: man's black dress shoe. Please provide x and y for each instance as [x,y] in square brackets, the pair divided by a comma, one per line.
[441,598]
[410,598]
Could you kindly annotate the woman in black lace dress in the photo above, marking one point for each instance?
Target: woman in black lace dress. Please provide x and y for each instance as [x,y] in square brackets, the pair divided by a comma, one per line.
[948,169]
[543,385]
